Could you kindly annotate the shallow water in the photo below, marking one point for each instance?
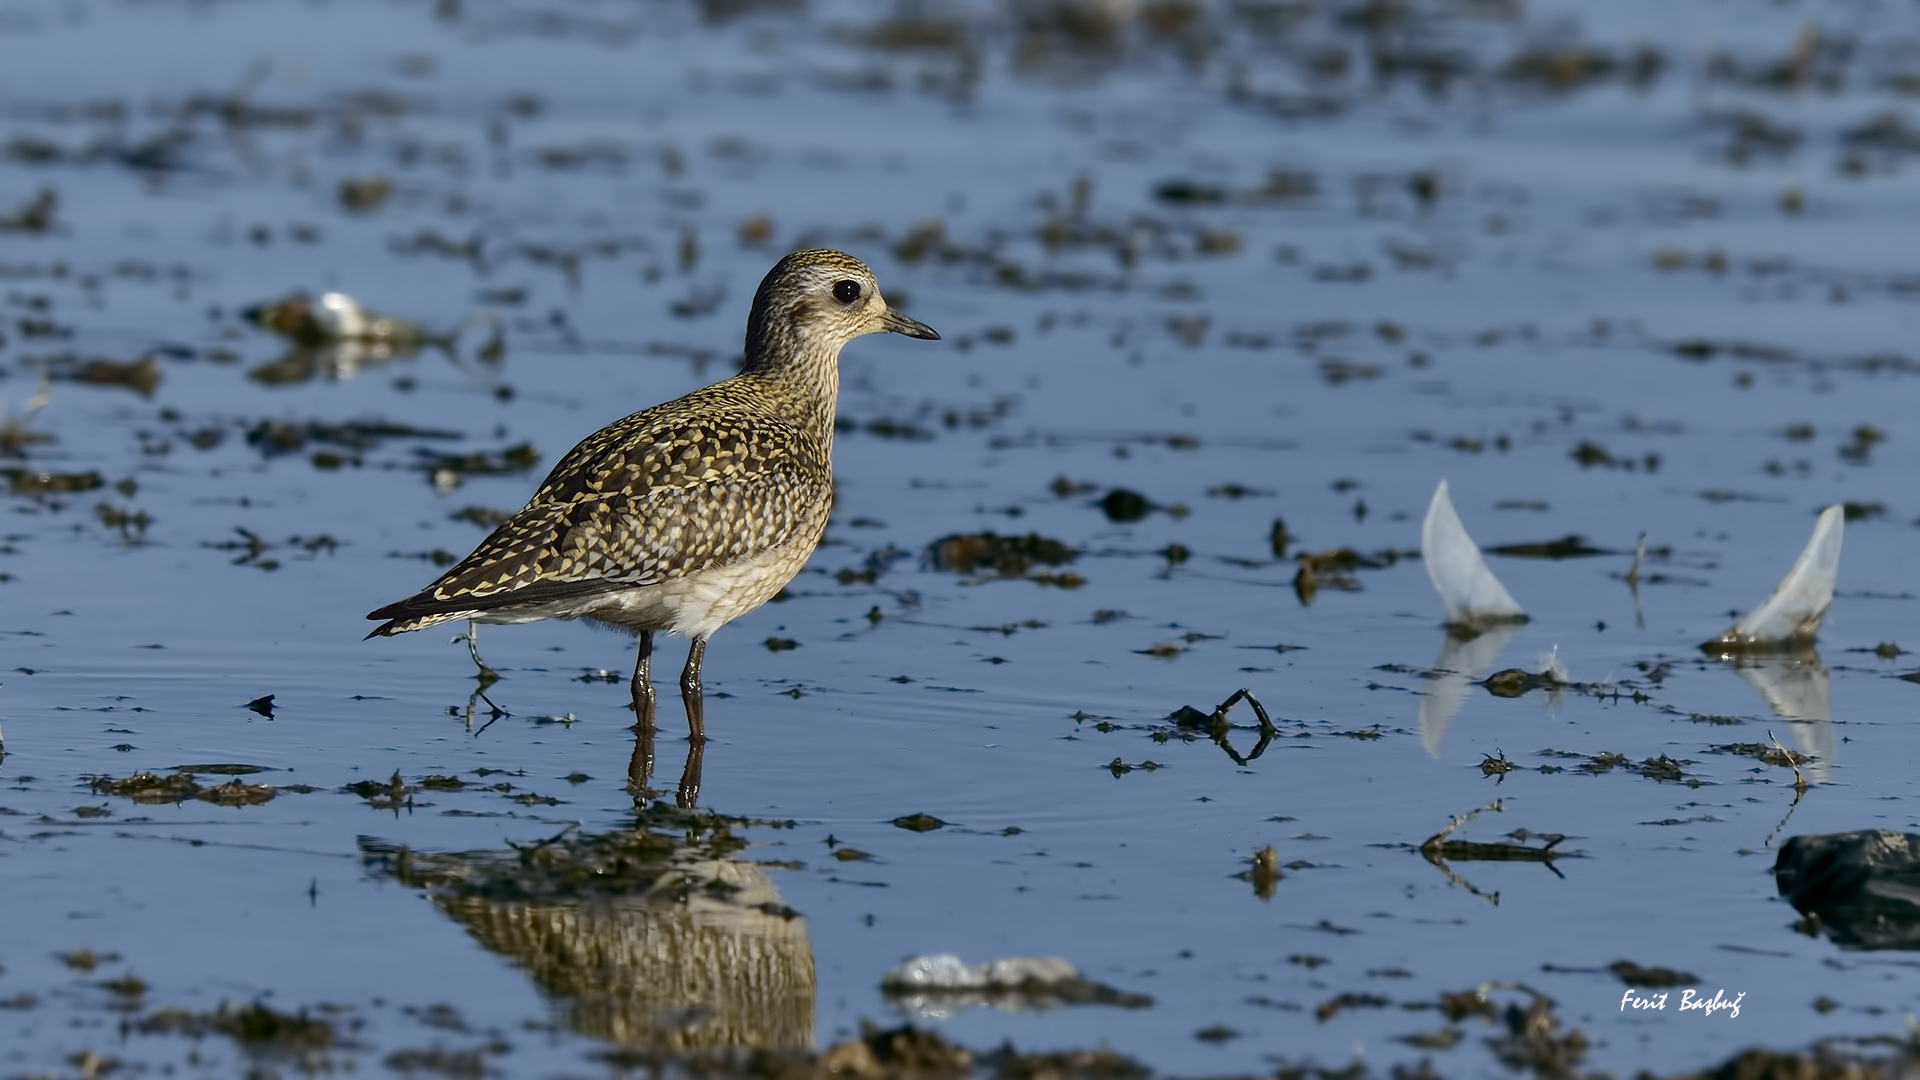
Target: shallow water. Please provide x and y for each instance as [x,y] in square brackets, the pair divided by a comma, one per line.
[1210,263]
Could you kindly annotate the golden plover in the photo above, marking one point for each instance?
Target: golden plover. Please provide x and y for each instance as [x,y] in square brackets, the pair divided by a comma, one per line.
[687,515]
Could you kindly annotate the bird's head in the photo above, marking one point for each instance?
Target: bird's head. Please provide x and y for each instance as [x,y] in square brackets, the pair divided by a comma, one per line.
[820,297]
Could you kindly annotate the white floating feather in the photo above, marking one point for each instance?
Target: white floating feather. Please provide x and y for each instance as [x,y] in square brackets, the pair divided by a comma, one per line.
[1471,594]
[1793,613]
[341,316]
[1553,669]
[945,971]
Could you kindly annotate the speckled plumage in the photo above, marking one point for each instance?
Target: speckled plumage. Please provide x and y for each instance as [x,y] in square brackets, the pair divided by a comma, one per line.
[691,513]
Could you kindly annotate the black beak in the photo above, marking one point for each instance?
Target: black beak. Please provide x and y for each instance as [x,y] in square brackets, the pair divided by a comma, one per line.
[897,323]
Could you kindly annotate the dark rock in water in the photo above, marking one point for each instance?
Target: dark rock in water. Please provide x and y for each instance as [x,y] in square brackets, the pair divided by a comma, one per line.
[1509,683]
[1514,682]
[1863,888]
[922,822]
[1187,192]
[1122,506]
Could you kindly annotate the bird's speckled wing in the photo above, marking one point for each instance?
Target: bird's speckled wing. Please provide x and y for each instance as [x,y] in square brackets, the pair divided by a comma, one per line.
[677,488]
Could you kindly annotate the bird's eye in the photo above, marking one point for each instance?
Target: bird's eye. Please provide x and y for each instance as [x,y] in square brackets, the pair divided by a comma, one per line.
[846,291]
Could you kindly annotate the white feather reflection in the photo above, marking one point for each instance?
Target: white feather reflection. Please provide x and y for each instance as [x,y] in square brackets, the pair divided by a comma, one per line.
[1465,656]
[1795,686]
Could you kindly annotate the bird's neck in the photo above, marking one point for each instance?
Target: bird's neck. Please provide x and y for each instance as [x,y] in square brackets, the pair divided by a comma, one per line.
[804,373]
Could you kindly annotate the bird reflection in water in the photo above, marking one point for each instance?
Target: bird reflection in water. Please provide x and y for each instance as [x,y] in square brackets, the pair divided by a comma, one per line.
[640,764]
[654,937]
[640,767]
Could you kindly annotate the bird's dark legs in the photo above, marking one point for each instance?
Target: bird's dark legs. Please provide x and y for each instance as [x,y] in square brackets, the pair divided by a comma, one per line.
[488,676]
[691,692]
[640,766]
[689,792]
[494,712]
[642,685]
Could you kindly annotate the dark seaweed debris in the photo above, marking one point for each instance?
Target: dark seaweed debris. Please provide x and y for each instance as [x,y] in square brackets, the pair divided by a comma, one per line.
[1335,569]
[35,482]
[1567,547]
[275,437]
[151,788]
[1004,556]
[253,1025]
[1215,725]
[514,459]
[1634,975]
[1528,1037]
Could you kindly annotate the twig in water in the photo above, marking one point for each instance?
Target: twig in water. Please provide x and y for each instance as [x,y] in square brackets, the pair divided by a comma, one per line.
[1799,778]
[1434,841]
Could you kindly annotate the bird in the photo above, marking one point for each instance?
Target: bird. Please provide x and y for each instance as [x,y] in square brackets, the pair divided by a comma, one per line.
[687,515]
